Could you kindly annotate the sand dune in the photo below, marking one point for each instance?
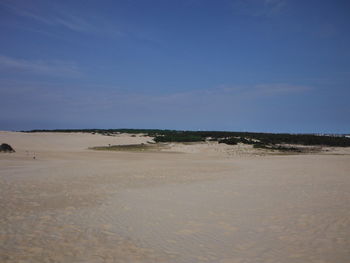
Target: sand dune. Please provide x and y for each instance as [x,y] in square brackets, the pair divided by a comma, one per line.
[188,203]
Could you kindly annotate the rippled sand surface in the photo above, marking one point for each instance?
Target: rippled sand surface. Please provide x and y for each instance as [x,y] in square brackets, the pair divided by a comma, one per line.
[71,204]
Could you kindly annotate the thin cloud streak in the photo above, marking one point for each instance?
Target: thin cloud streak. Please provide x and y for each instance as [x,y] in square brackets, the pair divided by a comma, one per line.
[259,8]
[85,98]
[57,68]
[62,18]
[274,6]
[272,89]
[82,105]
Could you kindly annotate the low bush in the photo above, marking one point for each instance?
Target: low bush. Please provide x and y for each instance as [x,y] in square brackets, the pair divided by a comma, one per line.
[6,148]
[229,141]
[178,138]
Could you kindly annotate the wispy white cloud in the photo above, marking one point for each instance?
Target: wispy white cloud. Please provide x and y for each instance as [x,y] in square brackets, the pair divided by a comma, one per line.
[74,23]
[265,89]
[90,97]
[88,104]
[266,8]
[327,30]
[274,6]
[62,18]
[280,89]
[41,67]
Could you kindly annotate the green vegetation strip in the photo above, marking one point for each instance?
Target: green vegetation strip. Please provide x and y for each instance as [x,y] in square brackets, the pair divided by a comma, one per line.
[224,136]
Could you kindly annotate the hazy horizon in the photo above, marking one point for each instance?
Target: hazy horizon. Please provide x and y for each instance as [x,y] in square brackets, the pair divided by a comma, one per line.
[126,128]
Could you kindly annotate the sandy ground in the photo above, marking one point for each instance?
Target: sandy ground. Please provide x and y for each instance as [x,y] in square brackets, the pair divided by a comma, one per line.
[192,203]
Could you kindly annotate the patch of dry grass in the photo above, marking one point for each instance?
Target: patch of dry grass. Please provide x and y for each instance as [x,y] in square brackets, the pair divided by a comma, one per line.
[129,147]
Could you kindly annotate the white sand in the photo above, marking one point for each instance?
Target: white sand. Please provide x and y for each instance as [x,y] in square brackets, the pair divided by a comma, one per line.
[210,203]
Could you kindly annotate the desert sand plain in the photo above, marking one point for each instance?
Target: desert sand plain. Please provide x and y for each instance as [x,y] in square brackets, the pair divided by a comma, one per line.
[184,203]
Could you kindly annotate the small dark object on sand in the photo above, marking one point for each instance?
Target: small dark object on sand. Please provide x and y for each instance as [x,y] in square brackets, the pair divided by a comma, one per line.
[6,148]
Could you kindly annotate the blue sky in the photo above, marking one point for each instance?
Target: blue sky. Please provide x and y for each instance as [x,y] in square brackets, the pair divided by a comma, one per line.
[242,65]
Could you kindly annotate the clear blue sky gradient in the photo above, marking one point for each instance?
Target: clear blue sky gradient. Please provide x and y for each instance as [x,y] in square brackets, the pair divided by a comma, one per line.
[242,65]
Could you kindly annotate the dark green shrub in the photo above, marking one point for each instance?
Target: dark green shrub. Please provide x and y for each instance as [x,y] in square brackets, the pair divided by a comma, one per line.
[6,148]
[229,141]
[178,138]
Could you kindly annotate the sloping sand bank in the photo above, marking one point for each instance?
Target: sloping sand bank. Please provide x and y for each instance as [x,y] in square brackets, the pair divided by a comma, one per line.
[71,204]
